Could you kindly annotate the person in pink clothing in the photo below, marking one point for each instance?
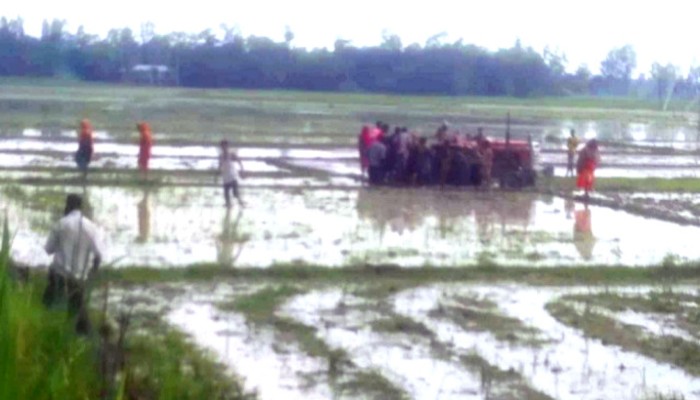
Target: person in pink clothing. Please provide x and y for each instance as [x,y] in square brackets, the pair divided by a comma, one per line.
[363,143]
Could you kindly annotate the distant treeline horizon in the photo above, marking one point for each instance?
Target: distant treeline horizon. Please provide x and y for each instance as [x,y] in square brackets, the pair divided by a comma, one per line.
[205,61]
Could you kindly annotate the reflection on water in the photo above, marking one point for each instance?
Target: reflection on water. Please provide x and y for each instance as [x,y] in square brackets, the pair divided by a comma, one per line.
[144,212]
[230,243]
[403,211]
[583,233]
[656,134]
[412,228]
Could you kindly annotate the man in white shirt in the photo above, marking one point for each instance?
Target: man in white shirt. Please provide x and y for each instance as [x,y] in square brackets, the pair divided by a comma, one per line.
[77,253]
[229,173]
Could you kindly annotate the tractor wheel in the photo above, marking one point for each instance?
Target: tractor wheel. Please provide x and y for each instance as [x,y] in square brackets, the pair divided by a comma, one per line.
[529,177]
[511,180]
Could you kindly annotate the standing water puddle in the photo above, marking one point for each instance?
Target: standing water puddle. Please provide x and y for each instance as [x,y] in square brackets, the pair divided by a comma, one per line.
[411,228]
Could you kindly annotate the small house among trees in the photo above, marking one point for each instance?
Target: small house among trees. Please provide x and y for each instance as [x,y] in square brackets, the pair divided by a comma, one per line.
[150,74]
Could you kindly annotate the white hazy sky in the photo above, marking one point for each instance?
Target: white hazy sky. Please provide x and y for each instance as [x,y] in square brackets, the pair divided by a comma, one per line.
[585,31]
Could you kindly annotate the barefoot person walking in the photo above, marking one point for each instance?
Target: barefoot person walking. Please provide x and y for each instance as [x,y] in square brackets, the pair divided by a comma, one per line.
[588,160]
[229,173]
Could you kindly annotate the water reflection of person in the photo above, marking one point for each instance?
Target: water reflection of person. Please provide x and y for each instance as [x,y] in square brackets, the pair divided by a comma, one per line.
[412,208]
[144,212]
[569,206]
[229,239]
[145,145]
[583,233]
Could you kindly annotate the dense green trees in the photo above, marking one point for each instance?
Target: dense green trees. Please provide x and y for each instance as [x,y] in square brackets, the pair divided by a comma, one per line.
[204,60]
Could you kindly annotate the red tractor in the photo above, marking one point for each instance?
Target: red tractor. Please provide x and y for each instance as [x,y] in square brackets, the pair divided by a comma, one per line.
[513,163]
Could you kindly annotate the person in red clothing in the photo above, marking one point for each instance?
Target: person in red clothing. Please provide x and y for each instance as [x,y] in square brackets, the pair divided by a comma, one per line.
[588,160]
[363,143]
[86,144]
[145,145]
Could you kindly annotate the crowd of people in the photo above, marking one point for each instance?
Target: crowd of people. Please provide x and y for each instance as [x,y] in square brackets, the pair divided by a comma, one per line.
[405,158]
[399,157]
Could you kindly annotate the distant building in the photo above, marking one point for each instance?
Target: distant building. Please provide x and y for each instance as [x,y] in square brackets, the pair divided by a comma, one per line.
[151,74]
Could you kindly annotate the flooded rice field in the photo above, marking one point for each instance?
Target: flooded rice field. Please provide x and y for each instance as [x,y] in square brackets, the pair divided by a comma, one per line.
[378,338]
[683,207]
[443,341]
[31,152]
[179,226]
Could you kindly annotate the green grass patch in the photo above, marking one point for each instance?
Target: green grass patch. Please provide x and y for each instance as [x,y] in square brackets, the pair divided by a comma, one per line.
[163,364]
[260,306]
[40,355]
[395,323]
[665,185]
[398,277]
[655,302]
[483,316]
[501,384]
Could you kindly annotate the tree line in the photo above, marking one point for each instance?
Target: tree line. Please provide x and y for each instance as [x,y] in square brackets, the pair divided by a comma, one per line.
[232,61]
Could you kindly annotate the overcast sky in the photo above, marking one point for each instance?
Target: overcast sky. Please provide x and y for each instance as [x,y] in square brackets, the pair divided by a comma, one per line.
[585,31]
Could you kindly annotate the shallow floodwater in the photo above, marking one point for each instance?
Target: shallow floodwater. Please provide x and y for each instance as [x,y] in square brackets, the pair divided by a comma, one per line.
[568,366]
[427,363]
[410,228]
[28,152]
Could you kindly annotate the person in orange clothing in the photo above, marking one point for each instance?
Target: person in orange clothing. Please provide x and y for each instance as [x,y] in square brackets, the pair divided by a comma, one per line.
[145,145]
[86,143]
[588,160]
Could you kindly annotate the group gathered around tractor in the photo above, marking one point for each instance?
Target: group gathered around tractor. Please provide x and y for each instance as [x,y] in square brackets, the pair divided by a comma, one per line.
[451,158]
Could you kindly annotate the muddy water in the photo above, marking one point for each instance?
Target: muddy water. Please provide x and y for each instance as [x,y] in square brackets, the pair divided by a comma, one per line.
[272,368]
[211,151]
[681,137]
[566,366]
[569,366]
[30,152]
[402,358]
[19,161]
[411,228]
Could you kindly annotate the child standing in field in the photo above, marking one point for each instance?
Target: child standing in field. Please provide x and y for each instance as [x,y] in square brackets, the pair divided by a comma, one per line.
[571,146]
[588,160]
[145,145]
[85,146]
[229,173]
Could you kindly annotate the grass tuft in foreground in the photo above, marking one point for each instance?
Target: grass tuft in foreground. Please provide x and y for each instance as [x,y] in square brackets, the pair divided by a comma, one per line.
[41,357]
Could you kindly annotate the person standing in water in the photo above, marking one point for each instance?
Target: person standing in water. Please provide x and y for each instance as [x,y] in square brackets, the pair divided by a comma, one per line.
[77,254]
[145,145]
[588,160]
[86,147]
[571,146]
[229,173]
[364,141]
